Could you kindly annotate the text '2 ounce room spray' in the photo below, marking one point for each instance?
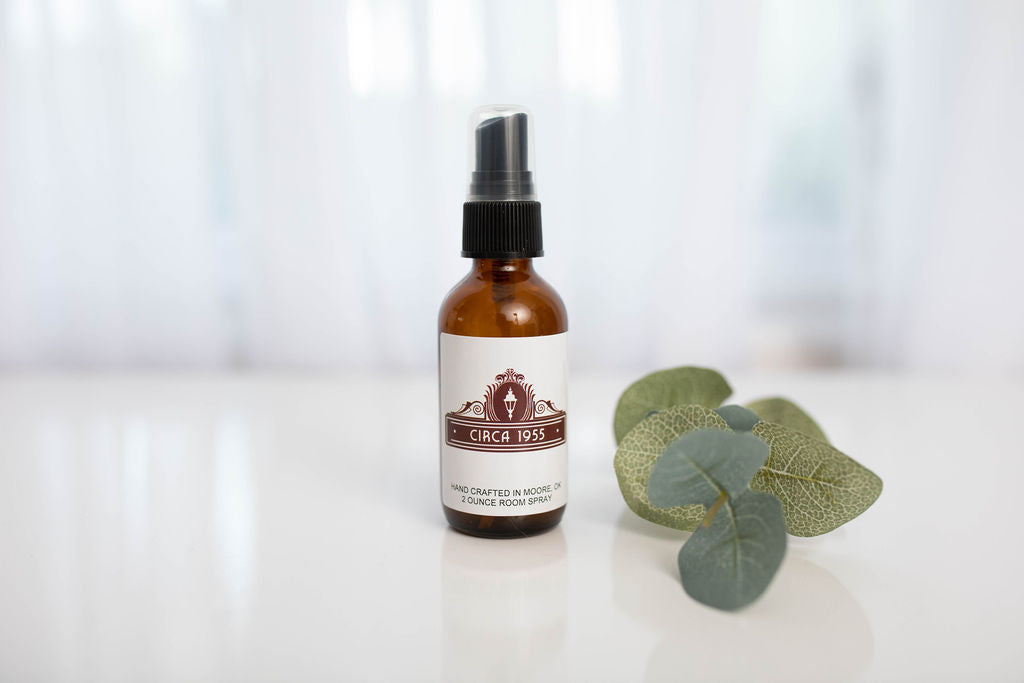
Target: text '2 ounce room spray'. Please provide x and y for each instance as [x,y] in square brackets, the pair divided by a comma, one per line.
[503,366]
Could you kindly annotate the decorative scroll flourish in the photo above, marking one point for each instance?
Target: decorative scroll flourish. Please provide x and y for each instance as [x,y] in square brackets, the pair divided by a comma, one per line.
[543,407]
[470,407]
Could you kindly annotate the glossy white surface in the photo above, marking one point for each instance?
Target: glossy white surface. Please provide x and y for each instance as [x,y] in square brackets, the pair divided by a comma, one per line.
[281,528]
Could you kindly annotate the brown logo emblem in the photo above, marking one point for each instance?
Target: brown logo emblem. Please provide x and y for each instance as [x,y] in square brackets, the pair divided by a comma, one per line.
[509,418]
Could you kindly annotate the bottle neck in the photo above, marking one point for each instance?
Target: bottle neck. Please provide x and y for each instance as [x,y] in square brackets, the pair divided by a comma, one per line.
[500,272]
[502,268]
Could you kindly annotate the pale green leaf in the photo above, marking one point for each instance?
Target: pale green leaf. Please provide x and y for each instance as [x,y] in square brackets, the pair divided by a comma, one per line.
[729,563]
[820,488]
[667,388]
[699,466]
[781,411]
[738,418]
[642,446]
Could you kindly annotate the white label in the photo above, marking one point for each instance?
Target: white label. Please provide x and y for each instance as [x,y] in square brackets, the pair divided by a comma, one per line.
[503,423]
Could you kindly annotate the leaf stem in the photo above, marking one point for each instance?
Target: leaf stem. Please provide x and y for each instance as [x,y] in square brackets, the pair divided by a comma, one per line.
[722,497]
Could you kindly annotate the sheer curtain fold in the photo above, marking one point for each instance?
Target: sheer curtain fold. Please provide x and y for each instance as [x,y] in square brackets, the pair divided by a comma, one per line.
[208,184]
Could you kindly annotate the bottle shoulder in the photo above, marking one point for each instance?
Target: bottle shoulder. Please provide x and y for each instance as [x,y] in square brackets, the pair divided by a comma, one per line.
[521,305]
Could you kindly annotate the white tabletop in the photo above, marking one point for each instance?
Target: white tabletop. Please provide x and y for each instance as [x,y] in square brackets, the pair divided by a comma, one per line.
[288,528]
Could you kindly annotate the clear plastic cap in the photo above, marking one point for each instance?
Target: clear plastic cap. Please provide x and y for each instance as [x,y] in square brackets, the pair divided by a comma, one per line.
[501,154]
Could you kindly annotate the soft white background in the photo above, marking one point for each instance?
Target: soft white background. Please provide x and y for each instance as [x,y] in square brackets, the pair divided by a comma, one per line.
[217,183]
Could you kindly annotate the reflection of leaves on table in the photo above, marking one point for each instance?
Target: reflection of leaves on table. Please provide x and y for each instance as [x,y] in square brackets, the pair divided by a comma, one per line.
[806,605]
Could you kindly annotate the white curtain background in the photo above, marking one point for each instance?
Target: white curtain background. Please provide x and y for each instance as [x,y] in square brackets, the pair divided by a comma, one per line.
[218,183]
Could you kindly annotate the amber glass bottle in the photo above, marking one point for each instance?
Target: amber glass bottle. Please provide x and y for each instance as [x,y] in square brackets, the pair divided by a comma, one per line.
[502,355]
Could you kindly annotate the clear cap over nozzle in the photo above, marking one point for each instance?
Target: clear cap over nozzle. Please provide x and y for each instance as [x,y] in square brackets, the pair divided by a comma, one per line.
[501,154]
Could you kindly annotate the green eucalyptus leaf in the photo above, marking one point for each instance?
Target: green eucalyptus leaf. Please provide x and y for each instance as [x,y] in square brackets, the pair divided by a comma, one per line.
[820,488]
[639,450]
[667,388]
[700,466]
[729,563]
[739,419]
[781,411]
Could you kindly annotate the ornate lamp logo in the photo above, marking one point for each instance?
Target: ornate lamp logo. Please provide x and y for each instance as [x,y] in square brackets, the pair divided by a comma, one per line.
[510,402]
[509,418]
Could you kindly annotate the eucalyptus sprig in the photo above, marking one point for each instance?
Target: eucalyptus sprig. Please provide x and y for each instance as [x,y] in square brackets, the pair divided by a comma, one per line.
[739,477]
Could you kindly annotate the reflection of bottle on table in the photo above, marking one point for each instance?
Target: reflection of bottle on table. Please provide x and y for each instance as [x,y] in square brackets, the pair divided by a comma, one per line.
[503,608]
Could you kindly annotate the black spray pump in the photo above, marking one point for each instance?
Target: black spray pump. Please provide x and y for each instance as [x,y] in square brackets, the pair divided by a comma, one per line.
[502,166]
[501,216]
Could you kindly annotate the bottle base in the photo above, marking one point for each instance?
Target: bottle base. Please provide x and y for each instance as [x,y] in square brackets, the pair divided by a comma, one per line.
[503,527]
